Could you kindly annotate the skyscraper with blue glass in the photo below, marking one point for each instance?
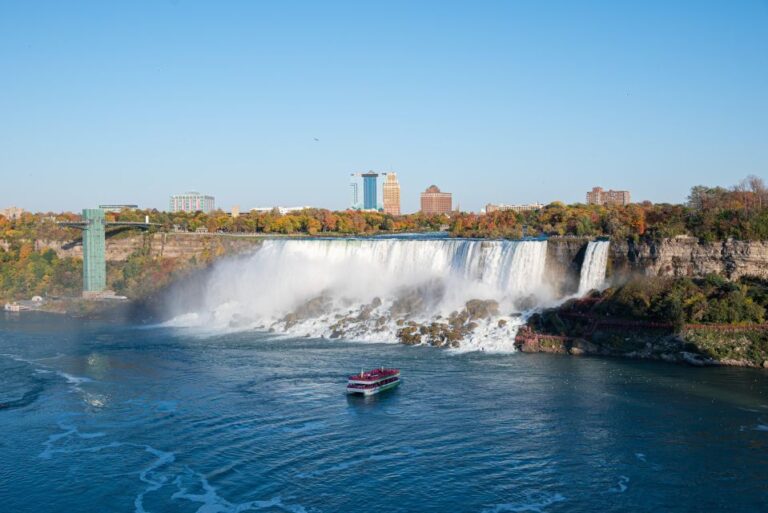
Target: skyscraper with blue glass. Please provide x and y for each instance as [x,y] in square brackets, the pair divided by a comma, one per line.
[370,187]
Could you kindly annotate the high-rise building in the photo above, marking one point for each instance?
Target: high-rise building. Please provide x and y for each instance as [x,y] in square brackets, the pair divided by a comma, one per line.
[370,192]
[491,207]
[391,193]
[355,185]
[598,196]
[435,202]
[192,202]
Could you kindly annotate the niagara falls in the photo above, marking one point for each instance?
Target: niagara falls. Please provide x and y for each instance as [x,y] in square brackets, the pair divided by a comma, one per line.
[479,292]
[383,257]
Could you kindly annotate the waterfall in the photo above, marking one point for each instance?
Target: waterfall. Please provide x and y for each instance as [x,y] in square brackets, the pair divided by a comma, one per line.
[372,287]
[593,268]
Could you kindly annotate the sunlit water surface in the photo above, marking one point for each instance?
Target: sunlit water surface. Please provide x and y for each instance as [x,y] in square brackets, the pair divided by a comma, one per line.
[100,417]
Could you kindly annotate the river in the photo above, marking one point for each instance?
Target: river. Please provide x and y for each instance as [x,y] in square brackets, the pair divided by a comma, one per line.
[102,417]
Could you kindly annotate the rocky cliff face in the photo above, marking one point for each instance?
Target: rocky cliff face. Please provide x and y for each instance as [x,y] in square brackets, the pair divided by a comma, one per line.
[564,258]
[163,245]
[686,256]
[681,256]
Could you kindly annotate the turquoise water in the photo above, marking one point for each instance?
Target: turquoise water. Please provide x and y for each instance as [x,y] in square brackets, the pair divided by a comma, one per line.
[100,417]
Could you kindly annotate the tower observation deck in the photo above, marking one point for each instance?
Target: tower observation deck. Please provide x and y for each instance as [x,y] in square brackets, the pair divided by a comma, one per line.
[94,227]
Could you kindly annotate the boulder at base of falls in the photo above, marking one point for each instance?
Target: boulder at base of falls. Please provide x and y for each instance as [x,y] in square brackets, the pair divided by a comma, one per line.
[313,308]
[409,335]
[482,308]
[436,334]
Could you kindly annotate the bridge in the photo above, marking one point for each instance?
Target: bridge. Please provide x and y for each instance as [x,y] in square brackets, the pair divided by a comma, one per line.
[94,227]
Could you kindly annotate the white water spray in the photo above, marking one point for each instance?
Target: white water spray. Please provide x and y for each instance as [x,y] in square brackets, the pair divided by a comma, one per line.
[593,267]
[374,286]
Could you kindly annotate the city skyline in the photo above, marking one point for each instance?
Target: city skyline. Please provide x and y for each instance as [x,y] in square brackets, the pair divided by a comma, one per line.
[499,102]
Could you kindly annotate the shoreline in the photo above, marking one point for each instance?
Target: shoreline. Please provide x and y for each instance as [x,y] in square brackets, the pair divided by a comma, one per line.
[689,348]
[697,346]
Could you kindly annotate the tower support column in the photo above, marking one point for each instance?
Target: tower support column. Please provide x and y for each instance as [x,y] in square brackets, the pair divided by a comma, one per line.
[94,260]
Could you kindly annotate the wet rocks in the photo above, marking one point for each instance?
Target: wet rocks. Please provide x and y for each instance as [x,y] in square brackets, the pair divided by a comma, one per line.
[290,320]
[365,313]
[482,309]
[411,304]
[311,309]
[449,333]
[409,335]
[315,307]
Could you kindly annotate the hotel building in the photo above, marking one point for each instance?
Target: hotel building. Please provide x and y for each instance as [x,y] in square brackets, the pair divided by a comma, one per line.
[391,193]
[435,202]
[598,196]
[192,202]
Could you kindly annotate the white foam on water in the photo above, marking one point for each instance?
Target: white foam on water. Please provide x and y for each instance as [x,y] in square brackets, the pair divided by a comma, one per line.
[182,321]
[491,338]
[20,359]
[70,431]
[761,427]
[212,502]
[74,380]
[622,485]
[151,477]
[159,473]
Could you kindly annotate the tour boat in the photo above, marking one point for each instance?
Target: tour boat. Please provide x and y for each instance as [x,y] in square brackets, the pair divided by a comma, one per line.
[373,381]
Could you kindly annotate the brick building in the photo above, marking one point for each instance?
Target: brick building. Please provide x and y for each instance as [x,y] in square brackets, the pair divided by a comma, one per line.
[598,196]
[433,201]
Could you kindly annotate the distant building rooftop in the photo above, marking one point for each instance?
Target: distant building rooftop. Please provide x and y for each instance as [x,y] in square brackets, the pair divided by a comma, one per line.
[118,208]
[282,210]
[498,207]
[12,212]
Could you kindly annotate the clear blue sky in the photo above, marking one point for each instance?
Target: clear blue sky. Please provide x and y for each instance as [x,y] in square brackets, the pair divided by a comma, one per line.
[110,101]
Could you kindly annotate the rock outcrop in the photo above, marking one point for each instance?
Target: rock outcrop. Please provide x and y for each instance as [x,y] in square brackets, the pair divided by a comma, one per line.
[164,245]
[740,347]
[679,256]
[686,256]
